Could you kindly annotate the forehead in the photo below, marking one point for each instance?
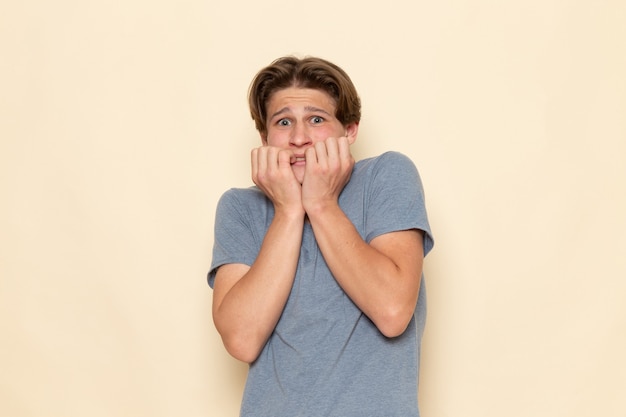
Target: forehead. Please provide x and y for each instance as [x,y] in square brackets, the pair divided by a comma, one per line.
[296,97]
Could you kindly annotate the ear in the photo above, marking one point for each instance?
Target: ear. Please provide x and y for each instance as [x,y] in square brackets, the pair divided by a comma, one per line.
[351,131]
[264,139]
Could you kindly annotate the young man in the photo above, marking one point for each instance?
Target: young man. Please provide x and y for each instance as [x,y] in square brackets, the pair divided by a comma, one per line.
[317,270]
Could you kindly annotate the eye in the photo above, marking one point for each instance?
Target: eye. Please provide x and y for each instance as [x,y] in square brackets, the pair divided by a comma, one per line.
[317,119]
[284,122]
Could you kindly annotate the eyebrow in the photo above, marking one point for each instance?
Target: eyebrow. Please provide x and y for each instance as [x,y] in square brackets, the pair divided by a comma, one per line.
[307,108]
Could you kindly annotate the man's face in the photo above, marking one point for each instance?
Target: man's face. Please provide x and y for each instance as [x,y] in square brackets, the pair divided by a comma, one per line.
[297,118]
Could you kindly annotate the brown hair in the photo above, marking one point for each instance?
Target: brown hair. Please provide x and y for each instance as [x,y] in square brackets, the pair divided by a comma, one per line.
[310,72]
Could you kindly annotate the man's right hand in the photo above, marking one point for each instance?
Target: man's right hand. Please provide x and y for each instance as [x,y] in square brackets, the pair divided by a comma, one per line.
[272,173]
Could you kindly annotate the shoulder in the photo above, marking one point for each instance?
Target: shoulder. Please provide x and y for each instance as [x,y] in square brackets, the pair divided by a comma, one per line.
[241,198]
[242,194]
[391,163]
[387,158]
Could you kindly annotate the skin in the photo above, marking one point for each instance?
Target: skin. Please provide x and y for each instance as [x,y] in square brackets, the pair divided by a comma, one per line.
[302,167]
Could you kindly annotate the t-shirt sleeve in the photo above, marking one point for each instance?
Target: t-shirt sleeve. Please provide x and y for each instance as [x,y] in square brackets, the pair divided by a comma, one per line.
[396,199]
[235,240]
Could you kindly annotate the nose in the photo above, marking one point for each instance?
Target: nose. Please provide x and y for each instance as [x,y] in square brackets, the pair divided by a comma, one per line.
[300,136]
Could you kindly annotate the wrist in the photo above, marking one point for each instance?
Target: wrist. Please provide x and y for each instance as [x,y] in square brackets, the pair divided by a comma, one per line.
[320,208]
[294,212]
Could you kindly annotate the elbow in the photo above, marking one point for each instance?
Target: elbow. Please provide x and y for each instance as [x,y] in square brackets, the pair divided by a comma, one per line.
[242,348]
[240,343]
[244,355]
[394,322]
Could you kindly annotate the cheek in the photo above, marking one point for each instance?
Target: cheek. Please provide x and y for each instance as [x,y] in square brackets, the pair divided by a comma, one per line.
[331,133]
[274,139]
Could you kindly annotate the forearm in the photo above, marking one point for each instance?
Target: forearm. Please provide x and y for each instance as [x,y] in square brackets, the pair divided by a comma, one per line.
[247,312]
[384,286]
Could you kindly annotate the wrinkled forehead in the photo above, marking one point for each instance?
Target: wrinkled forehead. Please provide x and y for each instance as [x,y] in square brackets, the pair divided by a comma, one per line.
[300,97]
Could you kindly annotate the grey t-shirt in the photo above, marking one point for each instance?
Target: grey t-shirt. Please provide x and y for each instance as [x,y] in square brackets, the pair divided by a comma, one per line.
[325,357]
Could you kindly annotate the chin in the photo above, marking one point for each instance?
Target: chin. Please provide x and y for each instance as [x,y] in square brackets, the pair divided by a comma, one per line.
[299,174]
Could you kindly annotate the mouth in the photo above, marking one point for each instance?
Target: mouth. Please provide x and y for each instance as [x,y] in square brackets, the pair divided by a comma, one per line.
[298,160]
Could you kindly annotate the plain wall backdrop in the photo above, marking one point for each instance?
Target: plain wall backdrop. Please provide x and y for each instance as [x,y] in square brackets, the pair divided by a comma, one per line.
[122,123]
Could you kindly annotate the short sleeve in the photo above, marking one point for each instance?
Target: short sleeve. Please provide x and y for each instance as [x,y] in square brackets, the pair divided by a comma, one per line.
[396,199]
[235,236]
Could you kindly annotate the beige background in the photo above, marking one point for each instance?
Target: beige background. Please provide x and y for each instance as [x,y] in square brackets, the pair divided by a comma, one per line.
[121,123]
